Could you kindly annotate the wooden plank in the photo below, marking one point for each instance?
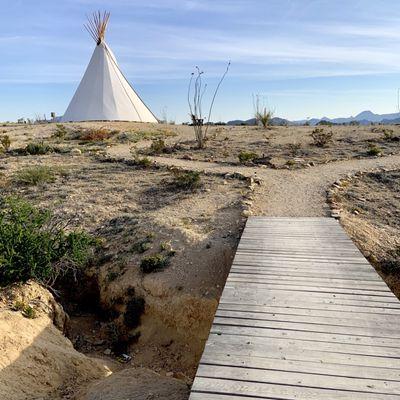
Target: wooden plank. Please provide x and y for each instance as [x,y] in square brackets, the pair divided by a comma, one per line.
[302,316]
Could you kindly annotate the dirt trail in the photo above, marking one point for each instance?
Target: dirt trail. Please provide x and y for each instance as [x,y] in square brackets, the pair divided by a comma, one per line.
[291,193]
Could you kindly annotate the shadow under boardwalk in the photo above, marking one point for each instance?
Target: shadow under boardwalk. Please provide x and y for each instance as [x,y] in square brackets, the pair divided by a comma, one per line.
[303,315]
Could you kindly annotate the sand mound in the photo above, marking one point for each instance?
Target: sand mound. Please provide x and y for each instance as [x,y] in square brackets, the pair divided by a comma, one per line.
[36,360]
[136,384]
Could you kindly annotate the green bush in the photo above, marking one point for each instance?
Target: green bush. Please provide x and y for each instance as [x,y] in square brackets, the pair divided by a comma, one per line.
[144,162]
[60,131]
[321,138]
[26,310]
[5,142]
[374,150]
[157,146]
[186,180]
[38,148]
[33,176]
[154,263]
[247,156]
[34,244]
[141,246]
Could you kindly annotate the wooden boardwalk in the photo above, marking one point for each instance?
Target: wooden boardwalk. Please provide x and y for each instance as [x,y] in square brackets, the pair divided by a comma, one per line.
[303,316]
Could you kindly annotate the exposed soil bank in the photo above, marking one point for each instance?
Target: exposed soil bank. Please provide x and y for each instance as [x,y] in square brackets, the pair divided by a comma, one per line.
[369,209]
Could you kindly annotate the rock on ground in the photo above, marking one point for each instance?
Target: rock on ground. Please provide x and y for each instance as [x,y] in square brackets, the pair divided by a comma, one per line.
[136,384]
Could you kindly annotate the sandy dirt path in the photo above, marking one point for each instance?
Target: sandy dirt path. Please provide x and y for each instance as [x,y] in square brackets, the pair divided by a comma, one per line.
[289,193]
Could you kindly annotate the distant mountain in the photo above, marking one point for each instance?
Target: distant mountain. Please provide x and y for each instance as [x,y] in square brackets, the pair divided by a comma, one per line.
[252,121]
[363,118]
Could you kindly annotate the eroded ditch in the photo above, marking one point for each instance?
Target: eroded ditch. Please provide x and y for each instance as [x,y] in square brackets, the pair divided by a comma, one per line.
[159,315]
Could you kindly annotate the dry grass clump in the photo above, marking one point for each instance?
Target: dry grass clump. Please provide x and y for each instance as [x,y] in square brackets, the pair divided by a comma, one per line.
[5,143]
[38,148]
[38,175]
[137,136]
[321,138]
[154,263]
[96,134]
[374,150]
[247,156]
[33,176]
[60,132]
[186,180]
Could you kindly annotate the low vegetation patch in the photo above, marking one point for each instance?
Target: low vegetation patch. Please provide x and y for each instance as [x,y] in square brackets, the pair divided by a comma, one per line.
[374,150]
[95,134]
[321,138]
[26,310]
[35,245]
[143,162]
[158,146]
[38,148]
[33,176]
[154,263]
[5,143]
[186,180]
[141,246]
[247,156]
[294,149]
[60,132]
[137,136]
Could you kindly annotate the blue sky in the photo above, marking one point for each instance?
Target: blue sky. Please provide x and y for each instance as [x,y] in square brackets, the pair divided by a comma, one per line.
[307,58]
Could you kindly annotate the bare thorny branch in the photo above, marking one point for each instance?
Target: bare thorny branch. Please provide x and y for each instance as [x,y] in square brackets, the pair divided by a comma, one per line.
[195,105]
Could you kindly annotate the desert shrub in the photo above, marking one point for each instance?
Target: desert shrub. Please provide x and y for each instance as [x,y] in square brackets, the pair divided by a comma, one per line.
[187,180]
[34,244]
[33,176]
[38,148]
[60,131]
[26,310]
[325,123]
[144,162]
[5,142]
[264,117]
[247,156]
[388,134]
[95,134]
[157,146]
[320,137]
[294,148]
[154,263]
[142,245]
[134,310]
[374,150]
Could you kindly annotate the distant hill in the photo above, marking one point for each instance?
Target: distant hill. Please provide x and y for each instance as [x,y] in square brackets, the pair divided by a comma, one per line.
[363,118]
[252,121]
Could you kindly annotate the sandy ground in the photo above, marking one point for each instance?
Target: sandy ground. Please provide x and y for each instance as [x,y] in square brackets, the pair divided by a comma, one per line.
[36,360]
[125,204]
[368,206]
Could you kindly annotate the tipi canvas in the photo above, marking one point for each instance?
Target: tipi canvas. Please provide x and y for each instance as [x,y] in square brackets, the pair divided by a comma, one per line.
[104,94]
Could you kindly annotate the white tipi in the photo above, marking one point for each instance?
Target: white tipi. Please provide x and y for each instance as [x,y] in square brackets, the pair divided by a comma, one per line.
[104,94]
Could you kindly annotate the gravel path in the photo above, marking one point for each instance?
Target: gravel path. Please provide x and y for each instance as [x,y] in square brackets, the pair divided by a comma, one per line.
[285,193]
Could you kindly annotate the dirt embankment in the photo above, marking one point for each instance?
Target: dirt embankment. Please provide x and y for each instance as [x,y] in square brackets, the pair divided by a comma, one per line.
[369,208]
[36,359]
[160,318]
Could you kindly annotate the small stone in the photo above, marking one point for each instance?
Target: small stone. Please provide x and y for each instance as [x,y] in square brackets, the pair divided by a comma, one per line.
[169,374]
[107,352]
[246,213]
[75,152]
